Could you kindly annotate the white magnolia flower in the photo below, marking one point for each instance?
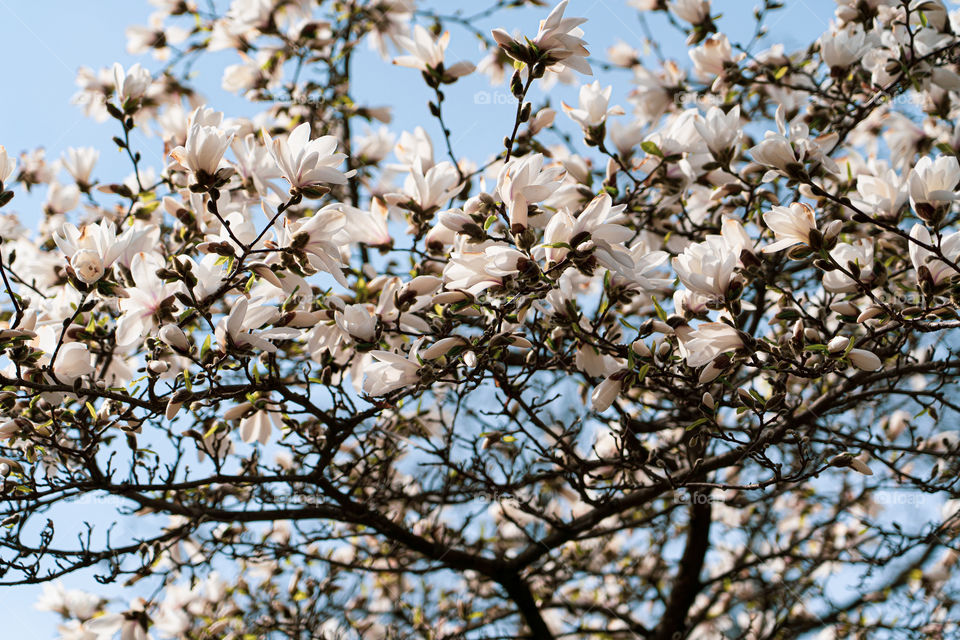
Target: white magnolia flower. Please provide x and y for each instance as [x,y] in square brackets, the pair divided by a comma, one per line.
[258,426]
[426,54]
[775,150]
[707,268]
[132,83]
[647,273]
[130,627]
[412,147]
[626,137]
[242,328]
[67,602]
[305,162]
[368,226]
[73,361]
[709,340]
[391,371]
[939,270]
[656,93]
[7,164]
[357,321]
[791,225]
[692,11]
[859,253]
[400,300]
[255,163]
[468,268]
[61,198]
[428,190]
[144,300]
[504,260]
[559,40]
[375,145]
[94,249]
[79,164]
[203,150]
[156,37]
[595,364]
[210,273]
[605,393]
[592,111]
[720,131]
[787,149]
[884,193]
[316,236]
[597,225]
[525,181]
[623,55]
[711,58]
[842,48]
[934,182]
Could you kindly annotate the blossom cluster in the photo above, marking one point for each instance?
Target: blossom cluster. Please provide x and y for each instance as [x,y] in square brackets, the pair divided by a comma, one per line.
[724,274]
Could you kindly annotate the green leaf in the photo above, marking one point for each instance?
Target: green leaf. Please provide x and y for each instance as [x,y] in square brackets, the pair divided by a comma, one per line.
[651,148]
[660,312]
[946,149]
[643,373]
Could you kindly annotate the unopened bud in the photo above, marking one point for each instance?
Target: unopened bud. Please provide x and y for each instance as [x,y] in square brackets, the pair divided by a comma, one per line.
[173,336]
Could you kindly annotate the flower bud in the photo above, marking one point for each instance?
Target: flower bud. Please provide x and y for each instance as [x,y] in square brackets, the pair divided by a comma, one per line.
[869,313]
[864,360]
[845,308]
[173,336]
[641,349]
[838,344]
[158,366]
[605,393]
[707,400]
[87,265]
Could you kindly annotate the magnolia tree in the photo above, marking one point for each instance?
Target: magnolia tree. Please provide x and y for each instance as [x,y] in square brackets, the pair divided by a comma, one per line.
[683,369]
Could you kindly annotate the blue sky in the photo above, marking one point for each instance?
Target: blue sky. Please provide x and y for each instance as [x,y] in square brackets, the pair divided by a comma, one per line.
[44,43]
